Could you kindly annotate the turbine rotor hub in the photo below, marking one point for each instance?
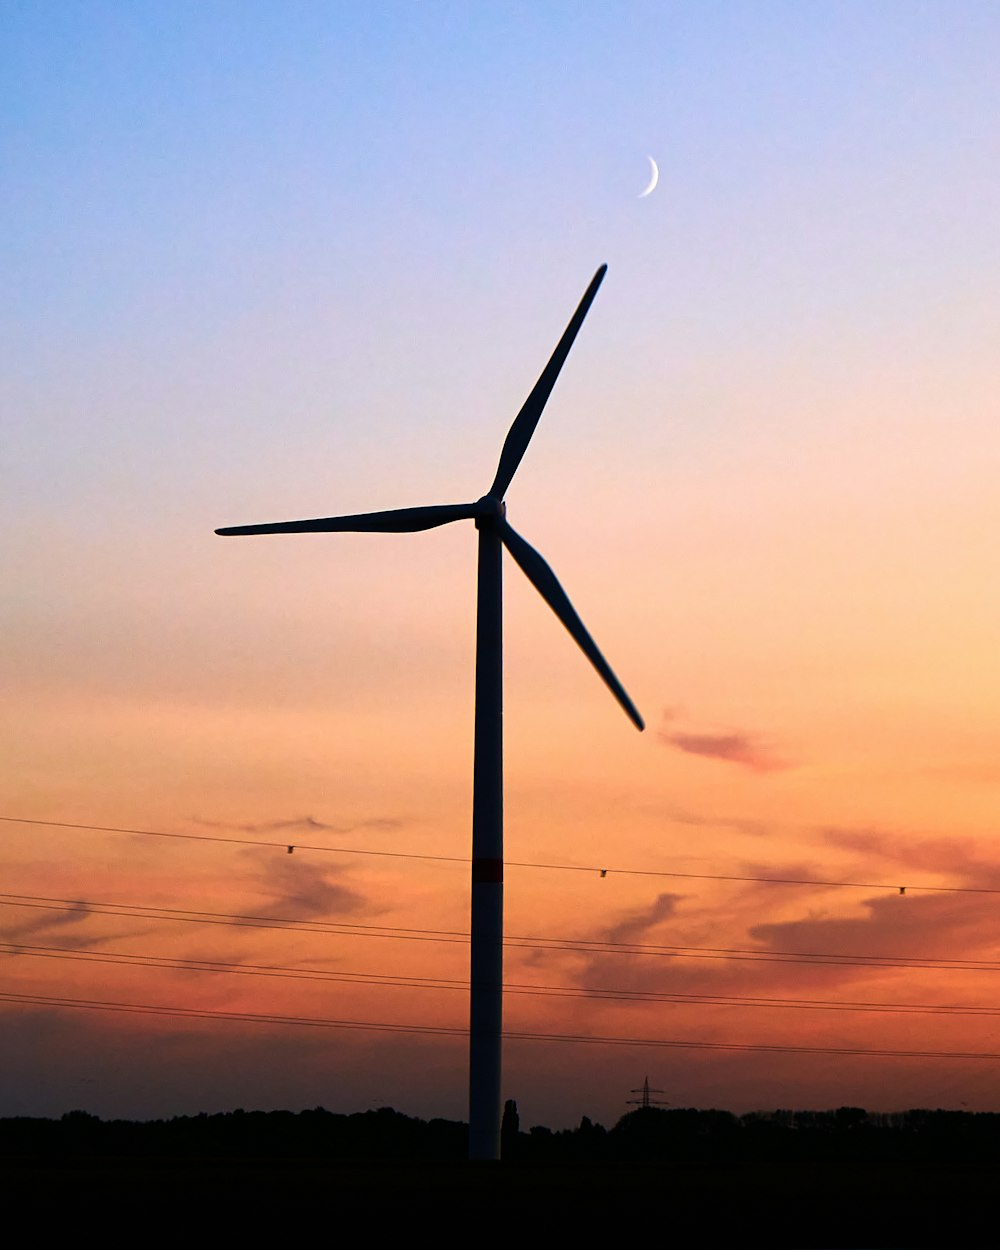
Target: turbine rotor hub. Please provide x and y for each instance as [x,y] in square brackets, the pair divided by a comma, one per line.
[489,510]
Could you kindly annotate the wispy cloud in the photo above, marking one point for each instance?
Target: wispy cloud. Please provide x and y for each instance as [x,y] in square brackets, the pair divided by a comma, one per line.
[732,747]
[54,922]
[305,824]
[636,925]
[760,941]
[914,857]
[301,890]
[891,927]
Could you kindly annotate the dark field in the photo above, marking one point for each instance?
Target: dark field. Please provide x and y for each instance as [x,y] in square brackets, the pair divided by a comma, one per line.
[782,1205]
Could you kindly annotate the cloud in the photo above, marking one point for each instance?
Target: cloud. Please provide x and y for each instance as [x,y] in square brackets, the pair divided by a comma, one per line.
[915,857]
[307,824]
[741,943]
[633,928]
[301,890]
[732,747]
[938,927]
[74,914]
[637,924]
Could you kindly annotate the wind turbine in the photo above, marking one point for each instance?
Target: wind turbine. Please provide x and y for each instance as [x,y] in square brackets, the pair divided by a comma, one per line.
[495,532]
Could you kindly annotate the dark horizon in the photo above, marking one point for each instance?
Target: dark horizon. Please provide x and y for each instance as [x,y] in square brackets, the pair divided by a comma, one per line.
[838,1178]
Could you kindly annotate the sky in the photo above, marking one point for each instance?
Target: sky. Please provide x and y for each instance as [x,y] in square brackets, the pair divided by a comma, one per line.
[266,261]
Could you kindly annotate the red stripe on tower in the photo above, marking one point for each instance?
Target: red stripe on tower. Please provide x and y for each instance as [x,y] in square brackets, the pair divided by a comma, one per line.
[487,872]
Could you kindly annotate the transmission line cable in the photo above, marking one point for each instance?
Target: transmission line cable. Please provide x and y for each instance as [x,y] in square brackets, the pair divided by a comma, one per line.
[169,963]
[585,946]
[202,1013]
[602,871]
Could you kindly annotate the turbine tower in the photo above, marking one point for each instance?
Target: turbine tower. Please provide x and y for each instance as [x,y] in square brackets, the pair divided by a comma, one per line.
[495,532]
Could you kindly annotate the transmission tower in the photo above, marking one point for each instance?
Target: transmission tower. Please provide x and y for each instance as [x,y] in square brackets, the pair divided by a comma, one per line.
[645,1101]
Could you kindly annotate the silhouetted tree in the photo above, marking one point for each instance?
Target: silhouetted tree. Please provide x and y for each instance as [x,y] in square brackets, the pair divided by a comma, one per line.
[510,1130]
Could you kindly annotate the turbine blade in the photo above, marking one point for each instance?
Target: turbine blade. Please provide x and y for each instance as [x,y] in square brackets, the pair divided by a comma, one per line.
[521,431]
[396,521]
[547,585]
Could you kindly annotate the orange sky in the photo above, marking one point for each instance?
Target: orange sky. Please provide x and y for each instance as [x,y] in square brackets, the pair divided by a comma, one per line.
[766,479]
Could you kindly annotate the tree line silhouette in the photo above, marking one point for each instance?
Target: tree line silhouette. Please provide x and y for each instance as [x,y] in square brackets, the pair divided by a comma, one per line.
[683,1135]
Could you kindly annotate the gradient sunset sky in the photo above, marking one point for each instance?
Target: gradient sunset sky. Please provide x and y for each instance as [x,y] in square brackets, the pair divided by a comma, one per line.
[275,260]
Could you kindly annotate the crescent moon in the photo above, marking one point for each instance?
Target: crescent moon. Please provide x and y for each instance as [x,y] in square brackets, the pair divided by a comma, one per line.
[654,179]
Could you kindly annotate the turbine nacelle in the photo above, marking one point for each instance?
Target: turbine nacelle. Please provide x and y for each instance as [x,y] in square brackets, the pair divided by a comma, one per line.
[490,511]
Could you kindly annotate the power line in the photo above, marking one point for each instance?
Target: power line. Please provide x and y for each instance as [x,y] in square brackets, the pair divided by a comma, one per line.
[180,964]
[39,1000]
[574,945]
[894,887]
[231,920]
[125,959]
[210,837]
